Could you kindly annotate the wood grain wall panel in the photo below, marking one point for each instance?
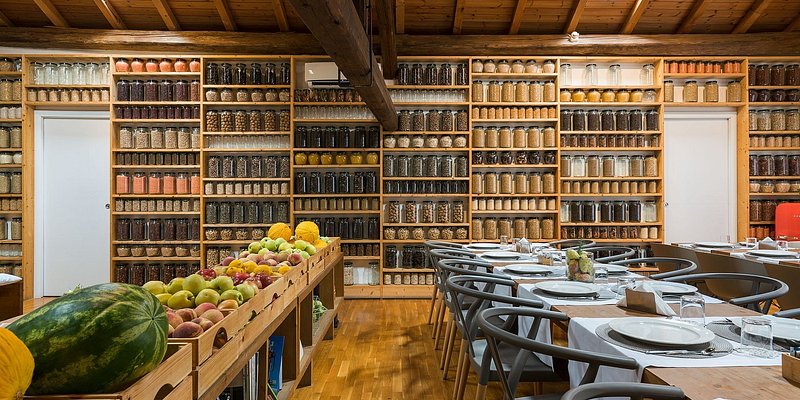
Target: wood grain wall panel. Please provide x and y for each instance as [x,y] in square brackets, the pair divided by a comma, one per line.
[429,16]
[602,16]
[139,14]
[664,16]
[24,13]
[81,13]
[545,16]
[721,16]
[487,16]
[255,16]
[777,16]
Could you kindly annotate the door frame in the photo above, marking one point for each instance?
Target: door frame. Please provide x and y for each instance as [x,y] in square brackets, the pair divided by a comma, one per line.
[40,116]
[732,118]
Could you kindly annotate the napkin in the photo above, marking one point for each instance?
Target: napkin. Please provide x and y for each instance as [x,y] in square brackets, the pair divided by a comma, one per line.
[643,297]
[767,244]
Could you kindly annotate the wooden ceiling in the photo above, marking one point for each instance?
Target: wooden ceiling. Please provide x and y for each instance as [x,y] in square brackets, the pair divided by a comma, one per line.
[421,16]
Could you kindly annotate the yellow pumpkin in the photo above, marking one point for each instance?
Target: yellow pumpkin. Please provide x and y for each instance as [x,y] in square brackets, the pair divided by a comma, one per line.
[307,231]
[16,366]
[280,230]
[320,244]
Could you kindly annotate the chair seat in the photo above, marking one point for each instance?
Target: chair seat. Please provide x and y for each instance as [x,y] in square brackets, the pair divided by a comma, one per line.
[534,371]
[550,396]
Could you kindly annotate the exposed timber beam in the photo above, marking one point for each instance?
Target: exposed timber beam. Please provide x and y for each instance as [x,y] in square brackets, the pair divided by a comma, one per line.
[697,8]
[4,20]
[458,17]
[165,11]
[793,26]
[400,15]
[225,15]
[111,14]
[753,14]
[516,20]
[575,16]
[52,13]
[633,18]
[280,15]
[386,25]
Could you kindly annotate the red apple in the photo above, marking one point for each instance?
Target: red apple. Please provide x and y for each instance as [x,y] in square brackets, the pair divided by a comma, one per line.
[240,277]
[255,281]
[208,274]
[265,279]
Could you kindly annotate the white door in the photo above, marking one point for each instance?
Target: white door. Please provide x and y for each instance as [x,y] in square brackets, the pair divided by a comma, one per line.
[699,176]
[72,228]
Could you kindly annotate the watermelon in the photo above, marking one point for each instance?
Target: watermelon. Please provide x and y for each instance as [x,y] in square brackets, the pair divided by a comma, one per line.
[99,339]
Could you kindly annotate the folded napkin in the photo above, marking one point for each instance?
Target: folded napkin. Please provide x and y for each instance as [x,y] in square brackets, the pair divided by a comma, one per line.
[5,278]
[643,297]
[767,244]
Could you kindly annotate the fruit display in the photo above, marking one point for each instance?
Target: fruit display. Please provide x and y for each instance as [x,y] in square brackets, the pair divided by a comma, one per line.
[209,286]
[16,366]
[187,322]
[98,339]
[579,266]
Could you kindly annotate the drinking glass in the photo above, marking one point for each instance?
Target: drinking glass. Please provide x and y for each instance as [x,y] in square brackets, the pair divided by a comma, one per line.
[624,283]
[751,242]
[783,244]
[503,240]
[756,337]
[693,310]
[601,276]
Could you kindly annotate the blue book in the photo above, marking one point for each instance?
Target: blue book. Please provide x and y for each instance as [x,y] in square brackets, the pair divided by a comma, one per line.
[275,363]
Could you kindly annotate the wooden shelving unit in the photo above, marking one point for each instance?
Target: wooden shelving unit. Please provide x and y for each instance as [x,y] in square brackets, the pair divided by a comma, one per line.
[18,207]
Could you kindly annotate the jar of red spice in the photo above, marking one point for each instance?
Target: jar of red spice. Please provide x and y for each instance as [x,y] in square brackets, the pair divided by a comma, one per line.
[151,65]
[122,65]
[168,183]
[137,65]
[181,65]
[123,183]
[154,183]
[194,65]
[195,183]
[165,65]
[139,185]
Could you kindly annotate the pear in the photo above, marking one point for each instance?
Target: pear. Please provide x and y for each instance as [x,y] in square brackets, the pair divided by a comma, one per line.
[207,296]
[155,287]
[194,283]
[175,285]
[181,299]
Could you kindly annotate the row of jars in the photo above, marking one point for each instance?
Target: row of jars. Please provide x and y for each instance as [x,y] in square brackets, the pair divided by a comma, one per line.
[400,96]
[246,188]
[758,141]
[515,67]
[771,96]
[10,90]
[702,67]
[158,138]
[609,120]
[248,121]
[774,120]
[432,120]
[78,73]
[426,141]
[243,166]
[216,254]
[711,90]
[336,158]
[774,75]
[365,275]
[431,74]
[763,210]
[594,140]
[361,249]
[513,183]
[405,257]
[345,137]
[253,141]
[167,229]
[332,112]
[774,165]
[157,112]
[346,228]
[774,187]
[10,136]
[530,228]
[10,112]
[514,204]
[417,186]
[154,65]
[267,212]
[10,182]
[763,231]
[16,269]
[610,232]
[514,158]
[518,137]
[12,250]
[68,95]
[10,64]
[608,166]
[157,183]
[608,211]
[166,159]
[326,96]
[479,113]
[442,166]
[157,205]
[407,278]
[240,74]
[609,187]
[412,212]
[247,95]
[614,75]
[164,250]
[330,183]
[510,91]
[608,96]
[139,274]
[11,204]
[154,90]
[240,233]
[10,229]
[337,204]
[424,233]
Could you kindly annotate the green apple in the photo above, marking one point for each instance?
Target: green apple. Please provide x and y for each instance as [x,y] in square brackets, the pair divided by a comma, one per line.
[285,246]
[263,251]
[207,296]
[310,249]
[304,254]
[271,245]
[246,290]
[163,298]
[254,247]
[232,295]
[155,287]
[175,285]
[194,283]
[181,299]
[300,244]
[222,283]
[280,241]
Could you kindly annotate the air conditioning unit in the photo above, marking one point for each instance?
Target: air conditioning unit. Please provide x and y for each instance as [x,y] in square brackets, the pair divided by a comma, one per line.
[324,74]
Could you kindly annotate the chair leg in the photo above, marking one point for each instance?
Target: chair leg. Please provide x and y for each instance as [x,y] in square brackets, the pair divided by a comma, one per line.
[538,388]
[450,343]
[459,366]
[434,298]
[446,343]
[480,394]
[464,372]
[445,315]
[439,310]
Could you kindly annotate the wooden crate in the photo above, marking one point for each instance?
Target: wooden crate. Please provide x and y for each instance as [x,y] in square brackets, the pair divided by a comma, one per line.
[297,280]
[167,381]
[222,332]
[216,365]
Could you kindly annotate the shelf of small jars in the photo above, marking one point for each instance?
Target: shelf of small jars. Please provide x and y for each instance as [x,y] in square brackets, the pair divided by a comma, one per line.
[425,178]
[152,242]
[442,196]
[413,224]
[514,211]
[247,150]
[774,87]
[164,167]
[156,151]
[151,196]
[156,121]
[772,178]
[426,150]
[521,76]
[154,103]
[609,104]
[656,240]
[43,105]
[338,195]
[247,103]
[423,133]
[439,104]
[250,196]
[428,87]
[775,194]
[195,75]
[55,86]
[513,103]
[329,103]
[159,213]
[406,241]
[362,257]
[611,223]
[328,212]
[246,179]
[718,75]
[474,166]
[500,120]
[705,104]
[338,166]
[187,258]
[775,103]
[774,132]
[618,178]
[360,241]
[246,86]
[595,195]
[601,149]
[771,149]
[610,132]
[611,87]
[515,195]
[236,133]
[335,121]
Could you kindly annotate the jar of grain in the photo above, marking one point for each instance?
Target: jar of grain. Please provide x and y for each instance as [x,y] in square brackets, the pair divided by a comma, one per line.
[548,183]
[549,136]
[492,137]
[508,92]
[593,96]
[565,96]
[651,166]
[504,137]
[506,183]
[477,183]
[477,66]
[490,183]
[548,228]
[477,92]
[777,120]
[593,166]
[690,92]
[522,92]
[578,95]
[637,96]
[793,121]
[669,91]
[490,229]
[549,92]
[734,91]
[763,120]
[494,91]
[711,92]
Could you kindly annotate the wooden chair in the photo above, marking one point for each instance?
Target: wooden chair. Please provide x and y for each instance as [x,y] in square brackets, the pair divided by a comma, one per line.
[431,245]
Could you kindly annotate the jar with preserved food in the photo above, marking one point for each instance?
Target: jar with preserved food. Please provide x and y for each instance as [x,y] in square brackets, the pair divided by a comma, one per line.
[669,91]
[690,92]
[711,92]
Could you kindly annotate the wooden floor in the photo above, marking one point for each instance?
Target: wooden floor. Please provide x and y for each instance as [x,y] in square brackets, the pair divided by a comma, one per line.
[383,350]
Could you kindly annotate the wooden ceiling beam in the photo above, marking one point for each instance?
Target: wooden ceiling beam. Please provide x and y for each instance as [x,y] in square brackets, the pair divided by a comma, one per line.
[633,18]
[4,20]
[753,14]
[386,26]
[111,14]
[52,13]
[165,11]
[516,20]
[458,17]
[794,25]
[336,26]
[280,15]
[225,15]
[697,8]
[400,16]
[575,16]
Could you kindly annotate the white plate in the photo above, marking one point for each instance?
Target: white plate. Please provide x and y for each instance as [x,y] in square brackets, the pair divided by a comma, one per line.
[568,288]
[484,246]
[502,255]
[528,269]
[673,288]
[714,245]
[661,331]
[782,328]
[613,269]
[772,253]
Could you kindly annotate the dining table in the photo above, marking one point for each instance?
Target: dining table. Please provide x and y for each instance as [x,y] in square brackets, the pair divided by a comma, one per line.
[732,376]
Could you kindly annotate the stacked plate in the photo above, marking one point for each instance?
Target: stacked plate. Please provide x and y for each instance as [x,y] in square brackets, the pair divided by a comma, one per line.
[484,246]
[529,269]
[662,332]
[502,255]
[773,253]
[713,245]
[568,288]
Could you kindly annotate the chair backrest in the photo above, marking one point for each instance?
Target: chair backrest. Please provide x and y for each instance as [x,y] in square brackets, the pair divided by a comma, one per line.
[607,254]
[717,263]
[681,266]
[763,289]
[565,244]
[791,276]
[458,267]
[438,244]
[672,251]
[436,254]
[497,325]
[632,390]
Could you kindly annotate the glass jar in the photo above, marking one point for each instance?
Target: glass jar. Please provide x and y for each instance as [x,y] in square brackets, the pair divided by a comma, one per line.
[690,92]
[711,92]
